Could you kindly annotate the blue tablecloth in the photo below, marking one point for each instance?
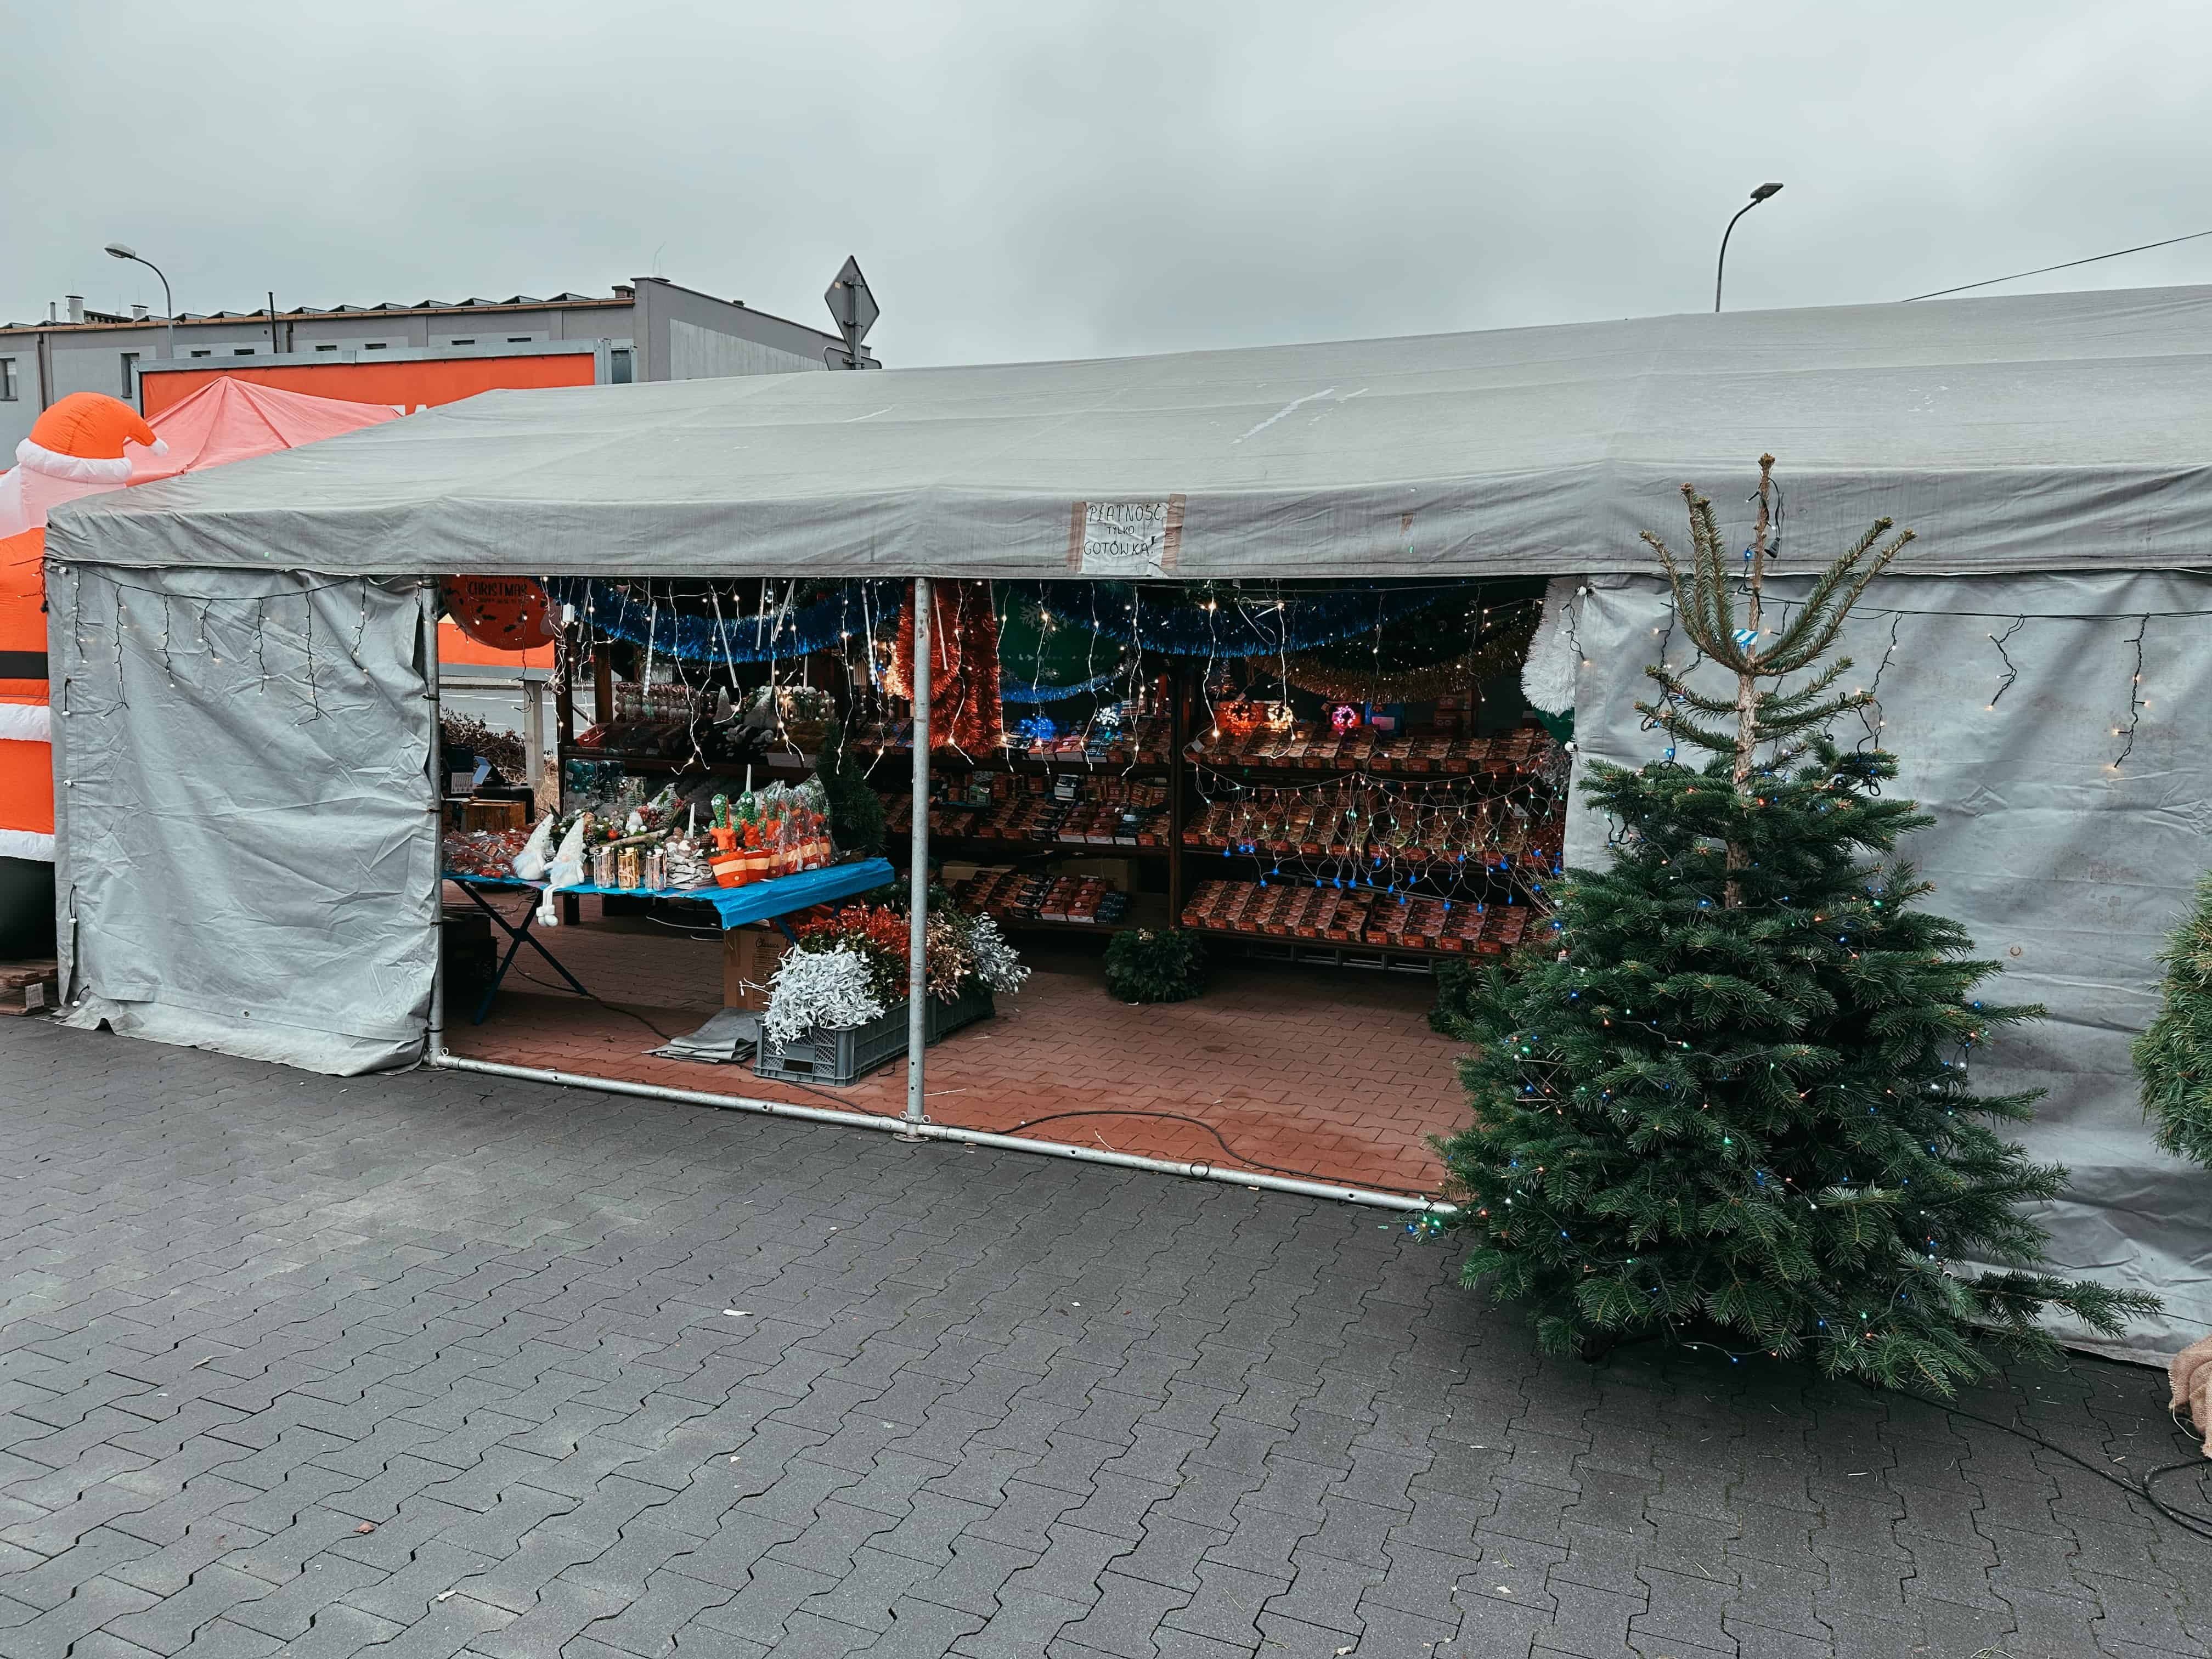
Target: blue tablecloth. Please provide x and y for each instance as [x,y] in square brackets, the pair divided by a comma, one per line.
[738,905]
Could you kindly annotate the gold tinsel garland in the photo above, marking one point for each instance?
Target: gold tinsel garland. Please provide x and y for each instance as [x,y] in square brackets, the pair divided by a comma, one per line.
[1341,684]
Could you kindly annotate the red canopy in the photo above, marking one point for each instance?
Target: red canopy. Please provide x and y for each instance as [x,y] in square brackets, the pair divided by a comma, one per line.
[229,420]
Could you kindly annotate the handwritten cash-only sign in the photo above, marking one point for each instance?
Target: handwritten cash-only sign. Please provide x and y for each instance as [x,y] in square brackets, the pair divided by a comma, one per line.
[1125,538]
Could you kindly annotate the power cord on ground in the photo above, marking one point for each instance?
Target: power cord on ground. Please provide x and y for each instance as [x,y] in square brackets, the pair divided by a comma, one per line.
[612,1007]
[1221,1141]
[2187,1520]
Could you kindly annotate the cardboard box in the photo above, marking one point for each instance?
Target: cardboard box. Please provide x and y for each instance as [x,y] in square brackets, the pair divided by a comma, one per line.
[28,988]
[479,814]
[749,955]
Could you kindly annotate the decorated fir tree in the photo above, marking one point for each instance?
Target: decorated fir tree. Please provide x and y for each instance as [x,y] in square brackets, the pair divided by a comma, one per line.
[856,812]
[2174,1055]
[1736,1107]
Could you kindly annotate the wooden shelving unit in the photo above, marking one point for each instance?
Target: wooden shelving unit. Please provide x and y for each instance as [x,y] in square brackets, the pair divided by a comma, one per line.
[1191,781]
[998,847]
[1335,953]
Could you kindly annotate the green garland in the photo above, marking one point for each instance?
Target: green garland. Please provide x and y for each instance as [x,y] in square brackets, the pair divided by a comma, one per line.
[2174,1055]
[856,811]
[1147,965]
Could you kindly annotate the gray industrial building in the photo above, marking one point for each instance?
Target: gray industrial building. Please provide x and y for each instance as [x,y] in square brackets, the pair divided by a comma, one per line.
[649,329]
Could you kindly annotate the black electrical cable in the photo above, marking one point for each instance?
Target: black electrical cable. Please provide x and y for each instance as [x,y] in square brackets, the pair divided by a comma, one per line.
[612,1007]
[2142,247]
[1235,1157]
[685,928]
[2188,1521]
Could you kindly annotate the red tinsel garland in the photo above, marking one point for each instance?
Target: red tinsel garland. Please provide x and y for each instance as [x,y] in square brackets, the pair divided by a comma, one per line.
[964,664]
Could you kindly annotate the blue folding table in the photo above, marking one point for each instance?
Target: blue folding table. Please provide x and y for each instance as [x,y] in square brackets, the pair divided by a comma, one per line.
[759,900]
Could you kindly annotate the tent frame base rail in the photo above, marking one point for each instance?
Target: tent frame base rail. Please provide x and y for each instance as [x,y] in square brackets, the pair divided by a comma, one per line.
[904,1130]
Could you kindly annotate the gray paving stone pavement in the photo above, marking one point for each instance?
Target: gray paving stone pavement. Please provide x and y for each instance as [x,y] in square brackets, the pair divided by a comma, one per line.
[437,1364]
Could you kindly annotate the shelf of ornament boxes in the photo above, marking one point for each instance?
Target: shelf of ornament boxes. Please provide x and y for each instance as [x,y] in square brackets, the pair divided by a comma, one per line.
[1464,876]
[1417,846]
[1045,832]
[1464,879]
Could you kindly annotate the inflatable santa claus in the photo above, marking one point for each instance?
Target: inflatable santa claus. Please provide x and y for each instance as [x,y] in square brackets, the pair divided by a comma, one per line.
[84,444]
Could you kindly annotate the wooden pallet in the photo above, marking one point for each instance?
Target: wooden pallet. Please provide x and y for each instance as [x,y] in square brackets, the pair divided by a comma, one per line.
[28,988]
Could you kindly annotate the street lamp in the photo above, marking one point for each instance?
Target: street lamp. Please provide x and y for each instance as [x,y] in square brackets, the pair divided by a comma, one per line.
[1757,197]
[124,251]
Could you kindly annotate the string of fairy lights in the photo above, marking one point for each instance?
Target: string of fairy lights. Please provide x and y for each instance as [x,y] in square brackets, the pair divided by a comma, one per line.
[857,619]
[1539,1070]
[2008,671]
[165,647]
[1465,840]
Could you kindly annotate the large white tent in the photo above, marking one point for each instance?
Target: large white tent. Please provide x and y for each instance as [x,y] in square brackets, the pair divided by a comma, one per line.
[2052,433]
[248,847]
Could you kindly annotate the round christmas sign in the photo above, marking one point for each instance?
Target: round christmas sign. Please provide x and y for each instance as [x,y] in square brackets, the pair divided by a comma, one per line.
[508,613]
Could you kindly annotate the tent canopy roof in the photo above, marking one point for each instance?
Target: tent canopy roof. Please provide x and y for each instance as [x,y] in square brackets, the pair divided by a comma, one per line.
[2044,432]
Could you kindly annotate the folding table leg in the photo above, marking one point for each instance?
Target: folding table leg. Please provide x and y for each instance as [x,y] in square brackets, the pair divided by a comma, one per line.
[518,937]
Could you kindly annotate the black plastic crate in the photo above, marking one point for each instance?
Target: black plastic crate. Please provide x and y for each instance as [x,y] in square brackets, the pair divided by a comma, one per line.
[837,1058]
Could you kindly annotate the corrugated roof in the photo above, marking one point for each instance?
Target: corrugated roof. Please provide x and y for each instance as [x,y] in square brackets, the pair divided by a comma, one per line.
[398,307]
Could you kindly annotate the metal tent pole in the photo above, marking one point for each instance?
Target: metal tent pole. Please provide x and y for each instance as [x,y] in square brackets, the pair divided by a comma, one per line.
[434,1039]
[1227,1176]
[917,943]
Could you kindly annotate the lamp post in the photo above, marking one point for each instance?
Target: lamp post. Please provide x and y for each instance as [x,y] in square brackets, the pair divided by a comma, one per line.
[1721,267]
[124,251]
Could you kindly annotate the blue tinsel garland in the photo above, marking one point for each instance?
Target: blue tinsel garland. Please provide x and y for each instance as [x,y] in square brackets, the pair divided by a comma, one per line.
[1302,623]
[1254,628]
[825,625]
[1016,691]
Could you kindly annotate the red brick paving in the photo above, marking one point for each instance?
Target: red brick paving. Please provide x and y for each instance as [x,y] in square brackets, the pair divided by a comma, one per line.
[1331,1073]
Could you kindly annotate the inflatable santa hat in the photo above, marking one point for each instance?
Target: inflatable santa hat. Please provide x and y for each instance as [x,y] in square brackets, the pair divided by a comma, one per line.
[81,439]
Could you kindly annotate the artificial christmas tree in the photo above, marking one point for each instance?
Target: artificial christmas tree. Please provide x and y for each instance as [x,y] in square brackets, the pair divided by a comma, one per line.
[2174,1054]
[856,811]
[1735,1108]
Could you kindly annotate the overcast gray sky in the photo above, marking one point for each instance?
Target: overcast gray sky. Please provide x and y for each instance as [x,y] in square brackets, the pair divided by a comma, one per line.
[1046,180]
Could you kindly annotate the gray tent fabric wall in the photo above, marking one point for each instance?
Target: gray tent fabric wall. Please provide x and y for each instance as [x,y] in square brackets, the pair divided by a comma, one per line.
[244,821]
[2065,870]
